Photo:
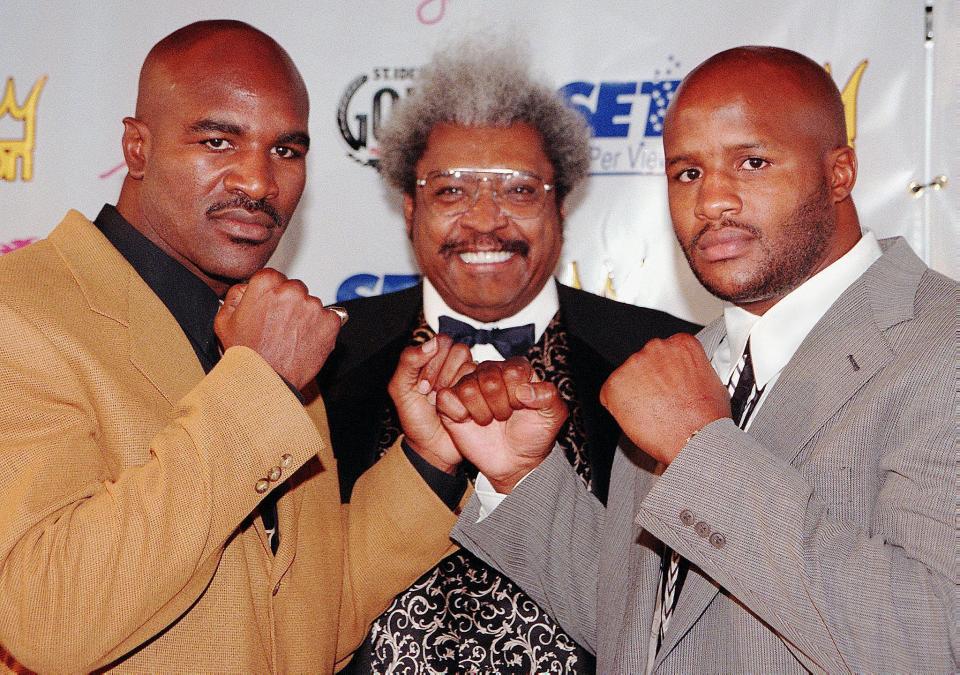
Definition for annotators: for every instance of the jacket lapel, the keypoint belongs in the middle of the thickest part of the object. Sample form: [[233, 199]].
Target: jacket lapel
[[158, 348], [841, 354]]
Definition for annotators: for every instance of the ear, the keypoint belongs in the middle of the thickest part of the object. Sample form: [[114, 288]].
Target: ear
[[136, 146], [842, 163], [408, 213]]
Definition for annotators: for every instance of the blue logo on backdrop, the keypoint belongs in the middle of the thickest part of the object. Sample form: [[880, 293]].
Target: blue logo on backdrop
[[365, 285], [623, 116]]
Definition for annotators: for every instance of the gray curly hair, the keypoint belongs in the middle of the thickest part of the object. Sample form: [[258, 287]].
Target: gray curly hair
[[470, 84]]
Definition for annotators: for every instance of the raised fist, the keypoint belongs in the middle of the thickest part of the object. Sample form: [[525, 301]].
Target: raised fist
[[502, 419], [277, 318]]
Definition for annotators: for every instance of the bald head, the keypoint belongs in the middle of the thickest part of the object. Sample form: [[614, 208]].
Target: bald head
[[218, 48], [759, 173], [216, 154], [782, 79]]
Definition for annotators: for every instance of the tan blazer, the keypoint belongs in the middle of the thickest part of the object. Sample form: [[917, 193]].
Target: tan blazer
[[127, 484]]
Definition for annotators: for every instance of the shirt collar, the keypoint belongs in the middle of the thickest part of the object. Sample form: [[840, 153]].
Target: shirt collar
[[540, 311], [192, 303], [775, 336]]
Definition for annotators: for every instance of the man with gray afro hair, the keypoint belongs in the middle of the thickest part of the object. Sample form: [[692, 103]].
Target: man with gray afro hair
[[470, 85], [484, 157]]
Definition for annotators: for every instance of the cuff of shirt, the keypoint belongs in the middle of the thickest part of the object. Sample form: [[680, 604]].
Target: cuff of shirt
[[449, 488], [488, 496]]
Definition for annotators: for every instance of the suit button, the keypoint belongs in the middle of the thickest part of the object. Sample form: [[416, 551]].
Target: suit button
[[262, 486], [276, 589], [274, 474], [286, 461], [702, 529], [686, 517], [718, 540]]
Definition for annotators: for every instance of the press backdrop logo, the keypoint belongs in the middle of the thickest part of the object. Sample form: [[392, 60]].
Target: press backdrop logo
[[13, 149], [849, 94], [626, 118], [365, 106]]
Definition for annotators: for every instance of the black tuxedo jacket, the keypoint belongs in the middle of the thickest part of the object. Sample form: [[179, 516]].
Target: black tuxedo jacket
[[602, 333]]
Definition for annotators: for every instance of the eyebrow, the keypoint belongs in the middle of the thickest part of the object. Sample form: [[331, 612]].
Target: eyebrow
[[677, 159], [218, 126], [289, 138], [295, 138]]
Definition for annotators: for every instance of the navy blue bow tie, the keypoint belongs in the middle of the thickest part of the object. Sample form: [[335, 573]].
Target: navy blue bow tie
[[509, 342]]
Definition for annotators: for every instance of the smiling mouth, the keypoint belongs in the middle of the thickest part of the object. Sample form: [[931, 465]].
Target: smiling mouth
[[485, 257]]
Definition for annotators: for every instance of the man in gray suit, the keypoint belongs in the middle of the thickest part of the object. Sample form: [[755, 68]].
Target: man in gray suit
[[785, 498]]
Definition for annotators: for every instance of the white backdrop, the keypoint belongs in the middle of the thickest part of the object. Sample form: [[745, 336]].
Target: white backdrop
[[617, 61]]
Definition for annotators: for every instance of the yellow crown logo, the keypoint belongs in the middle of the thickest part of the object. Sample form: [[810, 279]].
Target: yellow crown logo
[[19, 148], [849, 97]]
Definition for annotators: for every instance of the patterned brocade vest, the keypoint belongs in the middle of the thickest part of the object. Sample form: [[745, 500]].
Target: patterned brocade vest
[[463, 616]]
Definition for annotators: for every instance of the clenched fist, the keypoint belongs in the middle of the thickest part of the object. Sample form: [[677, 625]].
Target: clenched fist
[[663, 394], [502, 419], [277, 318]]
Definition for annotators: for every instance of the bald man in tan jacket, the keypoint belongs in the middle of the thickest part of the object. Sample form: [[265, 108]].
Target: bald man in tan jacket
[[169, 499]]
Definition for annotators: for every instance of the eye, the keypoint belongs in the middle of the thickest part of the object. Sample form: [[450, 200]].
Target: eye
[[754, 163], [286, 152], [216, 143], [688, 175]]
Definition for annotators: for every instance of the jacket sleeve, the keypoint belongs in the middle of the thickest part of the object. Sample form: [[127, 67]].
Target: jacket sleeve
[[546, 537], [85, 542], [854, 566], [396, 528]]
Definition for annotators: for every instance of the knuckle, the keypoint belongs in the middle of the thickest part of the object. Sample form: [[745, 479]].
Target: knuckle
[[489, 385]]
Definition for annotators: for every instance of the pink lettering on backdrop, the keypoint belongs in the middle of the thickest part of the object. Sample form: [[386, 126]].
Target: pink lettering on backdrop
[[110, 172], [435, 15], [15, 244]]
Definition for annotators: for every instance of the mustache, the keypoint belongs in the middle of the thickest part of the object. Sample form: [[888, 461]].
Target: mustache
[[249, 205], [727, 222], [458, 246]]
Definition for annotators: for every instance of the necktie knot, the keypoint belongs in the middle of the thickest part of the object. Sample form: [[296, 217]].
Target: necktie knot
[[514, 341]]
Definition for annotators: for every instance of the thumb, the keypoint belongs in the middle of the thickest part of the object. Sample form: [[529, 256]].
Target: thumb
[[230, 302], [544, 398], [234, 296], [412, 360]]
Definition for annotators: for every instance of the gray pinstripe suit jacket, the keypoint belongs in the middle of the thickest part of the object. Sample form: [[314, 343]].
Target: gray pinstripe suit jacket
[[836, 513]]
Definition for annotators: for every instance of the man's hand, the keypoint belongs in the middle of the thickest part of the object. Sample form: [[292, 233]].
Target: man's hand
[[501, 420], [422, 371], [665, 393], [277, 318]]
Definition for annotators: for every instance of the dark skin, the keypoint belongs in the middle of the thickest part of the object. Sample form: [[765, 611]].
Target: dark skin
[[754, 143], [486, 291], [758, 169], [216, 159]]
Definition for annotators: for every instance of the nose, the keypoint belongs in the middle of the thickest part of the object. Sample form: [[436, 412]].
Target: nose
[[484, 215], [253, 175], [717, 197]]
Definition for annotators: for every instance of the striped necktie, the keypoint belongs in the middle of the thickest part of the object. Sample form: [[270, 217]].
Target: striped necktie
[[744, 396]]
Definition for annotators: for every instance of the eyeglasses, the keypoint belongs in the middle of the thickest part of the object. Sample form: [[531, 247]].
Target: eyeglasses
[[455, 191]]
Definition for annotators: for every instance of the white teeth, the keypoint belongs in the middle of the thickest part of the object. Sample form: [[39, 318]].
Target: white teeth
[[480, 257]]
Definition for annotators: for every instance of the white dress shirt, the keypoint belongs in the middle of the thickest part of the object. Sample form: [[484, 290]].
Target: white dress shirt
[[776, 335], [539, 312]]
